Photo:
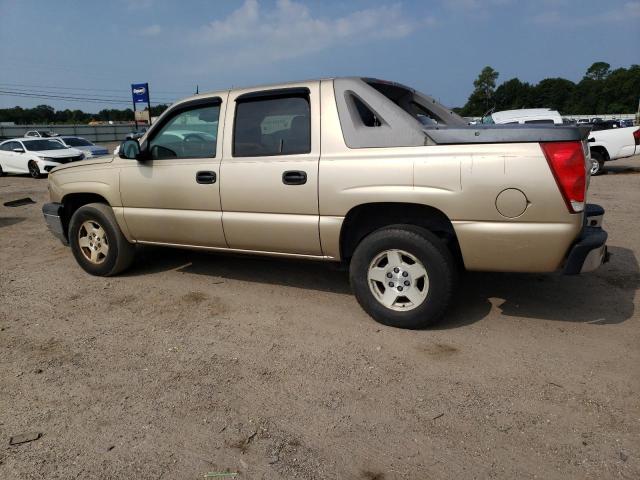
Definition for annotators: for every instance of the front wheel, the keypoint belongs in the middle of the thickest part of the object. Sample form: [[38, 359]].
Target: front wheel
[[597, 164], [403, 276], [34, 170], [96, 241]]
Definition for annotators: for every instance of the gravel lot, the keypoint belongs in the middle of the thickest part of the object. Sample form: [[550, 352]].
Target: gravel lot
[[193, 363]]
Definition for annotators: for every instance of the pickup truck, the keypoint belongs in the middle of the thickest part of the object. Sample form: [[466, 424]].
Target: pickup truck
[[612, 144], [361, 171]]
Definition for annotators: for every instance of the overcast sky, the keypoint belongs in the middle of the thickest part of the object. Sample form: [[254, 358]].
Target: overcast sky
[[98, 48]]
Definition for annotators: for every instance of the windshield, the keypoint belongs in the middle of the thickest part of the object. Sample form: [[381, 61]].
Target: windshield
[[40, 145], [77, 142]]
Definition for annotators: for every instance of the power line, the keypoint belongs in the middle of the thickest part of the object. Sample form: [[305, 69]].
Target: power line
[[64, 94], [10, 93], [156, 92]]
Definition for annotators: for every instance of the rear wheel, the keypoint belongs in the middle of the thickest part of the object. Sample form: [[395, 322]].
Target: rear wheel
[[34, 170], [97, 242], [1, 171], [403, 276], [597, 164]]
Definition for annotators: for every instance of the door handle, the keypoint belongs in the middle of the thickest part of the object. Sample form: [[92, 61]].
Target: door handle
[[206, 177], [294, 177]]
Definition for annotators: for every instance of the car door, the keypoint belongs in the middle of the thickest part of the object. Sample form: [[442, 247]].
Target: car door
[[173, 197], [5, 156], [12, 161], [269, 172]]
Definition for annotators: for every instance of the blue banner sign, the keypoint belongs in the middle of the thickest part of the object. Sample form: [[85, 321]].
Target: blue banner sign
[[140, 92]]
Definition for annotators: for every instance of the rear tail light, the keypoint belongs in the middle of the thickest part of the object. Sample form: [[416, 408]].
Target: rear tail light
[[636, 136], [566, 160]]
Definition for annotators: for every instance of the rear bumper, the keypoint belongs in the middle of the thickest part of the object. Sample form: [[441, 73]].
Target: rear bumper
[[590, 249], [53, 217]]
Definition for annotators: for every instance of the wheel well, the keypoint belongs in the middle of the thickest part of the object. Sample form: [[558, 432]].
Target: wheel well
[[364, 219], [74, 201], [602, 151]]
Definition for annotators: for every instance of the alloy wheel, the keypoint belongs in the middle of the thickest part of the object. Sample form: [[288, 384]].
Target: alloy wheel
[[398, 280], [93, 242]]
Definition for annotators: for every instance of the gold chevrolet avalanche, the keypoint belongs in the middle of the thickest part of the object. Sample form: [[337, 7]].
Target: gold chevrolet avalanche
[[356, 170]]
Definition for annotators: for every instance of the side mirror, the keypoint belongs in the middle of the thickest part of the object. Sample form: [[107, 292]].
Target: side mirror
[[18, 150], [129, 149]]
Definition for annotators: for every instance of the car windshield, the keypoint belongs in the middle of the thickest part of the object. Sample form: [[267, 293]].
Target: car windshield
[[77, 142], [40, 145]]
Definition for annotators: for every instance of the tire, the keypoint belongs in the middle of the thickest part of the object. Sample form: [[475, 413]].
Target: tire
[[597, 164], [428, 294], [34, 170], [94, 227], [1, 171]]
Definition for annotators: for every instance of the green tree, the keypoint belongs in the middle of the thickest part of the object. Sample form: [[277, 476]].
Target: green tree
[[481, 99], [513, 94], [554, 93], [598, 71], [600, 91]]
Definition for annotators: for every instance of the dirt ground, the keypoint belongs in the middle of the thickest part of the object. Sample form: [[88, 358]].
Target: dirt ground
[[192, 363]]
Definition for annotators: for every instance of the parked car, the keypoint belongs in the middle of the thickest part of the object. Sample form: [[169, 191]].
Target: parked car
[[85, 146], [136, 133], [626, 123], [612, 144], [40, 134], [37, 156], [366, 183], [605, 125]]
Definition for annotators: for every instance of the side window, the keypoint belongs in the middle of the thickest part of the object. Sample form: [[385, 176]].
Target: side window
[[6, 147], [272, 126], [191, 133], [366, 115]]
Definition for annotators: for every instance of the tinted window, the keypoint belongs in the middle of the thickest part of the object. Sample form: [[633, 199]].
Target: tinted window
[[6, 146], [77, 142], [189, 134], [539, 122], [40, 145], [272, 126]]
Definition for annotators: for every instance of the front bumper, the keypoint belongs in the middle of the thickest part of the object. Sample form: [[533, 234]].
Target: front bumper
[[53, 217], [590, 249]]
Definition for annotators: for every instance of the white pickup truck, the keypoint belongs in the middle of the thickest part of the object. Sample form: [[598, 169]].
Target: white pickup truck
[[612, 144], [605, 145]]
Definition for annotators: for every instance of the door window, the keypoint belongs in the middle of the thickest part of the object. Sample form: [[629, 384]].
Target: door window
[[191, 133], [272, 126]]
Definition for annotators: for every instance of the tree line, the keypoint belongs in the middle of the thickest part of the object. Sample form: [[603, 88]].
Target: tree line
[[600, 91], [46, 114]]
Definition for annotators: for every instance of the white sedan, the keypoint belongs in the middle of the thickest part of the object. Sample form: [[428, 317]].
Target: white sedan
[[37, 156]]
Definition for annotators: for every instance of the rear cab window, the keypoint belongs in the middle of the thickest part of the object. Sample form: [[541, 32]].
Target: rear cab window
[[272, 123]]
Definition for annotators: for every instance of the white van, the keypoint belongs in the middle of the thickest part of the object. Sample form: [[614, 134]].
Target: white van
[[528, 115]]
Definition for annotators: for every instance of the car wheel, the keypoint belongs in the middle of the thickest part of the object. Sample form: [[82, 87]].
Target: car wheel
[[1, 171], [34, 170], [597, 164], [403, 276], [97, 242]]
